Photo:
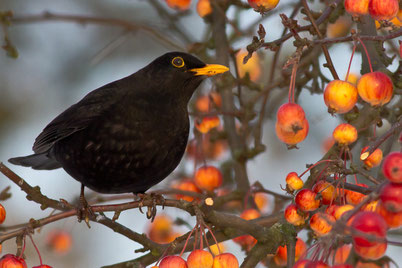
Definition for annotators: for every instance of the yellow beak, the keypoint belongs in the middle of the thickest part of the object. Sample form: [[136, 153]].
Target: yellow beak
[[210, 70]]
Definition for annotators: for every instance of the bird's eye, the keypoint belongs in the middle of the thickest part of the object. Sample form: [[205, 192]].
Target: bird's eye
[[178, 62]]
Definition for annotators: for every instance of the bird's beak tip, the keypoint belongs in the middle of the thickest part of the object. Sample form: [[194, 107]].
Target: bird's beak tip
[[210, 70]]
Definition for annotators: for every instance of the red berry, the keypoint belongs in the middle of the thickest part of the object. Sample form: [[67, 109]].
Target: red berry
[[370, 223], [12, 261], [392, 167]]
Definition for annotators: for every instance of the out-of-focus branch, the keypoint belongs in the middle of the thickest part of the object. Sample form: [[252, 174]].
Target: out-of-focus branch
[[329, 63], [237, 145], [171, 20], [127, 25]]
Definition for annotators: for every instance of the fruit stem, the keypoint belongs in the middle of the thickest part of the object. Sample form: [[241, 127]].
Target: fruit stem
[[213, 236], [291, 96], [201, 237], [36, 248], [350, 62], [188, 237], [365, 50], [23, 247], [319, 162], [204, 236]]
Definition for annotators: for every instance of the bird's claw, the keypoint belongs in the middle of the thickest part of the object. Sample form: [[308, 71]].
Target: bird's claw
[[84, 211], [151, 209]]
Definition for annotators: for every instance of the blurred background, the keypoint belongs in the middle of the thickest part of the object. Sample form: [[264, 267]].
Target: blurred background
[[62, 60]]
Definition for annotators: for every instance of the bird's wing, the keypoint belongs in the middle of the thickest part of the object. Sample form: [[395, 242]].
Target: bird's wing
[[77, 117]]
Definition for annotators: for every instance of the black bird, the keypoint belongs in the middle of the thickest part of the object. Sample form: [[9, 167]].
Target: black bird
[[128, 135]]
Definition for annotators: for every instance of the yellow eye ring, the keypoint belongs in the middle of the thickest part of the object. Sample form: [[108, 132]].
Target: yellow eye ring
[[178, 62]]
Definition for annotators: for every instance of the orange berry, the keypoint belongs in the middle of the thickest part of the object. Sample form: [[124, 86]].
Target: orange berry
[[375, 88], [371, 206], [321, 223], [345, 134], [340, 96], [247, 241], [186, 185], [172, 262], [372, 252], [208, 178], [383, 9], [342, 254], [293, 182], [393, 219], [207, 123], [293, 137], [357, 7], [42, 266], [250, 214], [200, 259], [293, 216], [160, 230], [340, 210], [225, 260], [353, 197], [59, 241], [204, 104], [204, 8], [372, 160], [252, 67], [281, 255], [212, 149], [179, 4], [392, 167], [341, 27], [307, 200], [216, 249], [264, 5], [331, 209], [290, 117], [261, 201], [2, 214], [291, 125], [352, 78], [234, 205], [326, 190], [12, 261]]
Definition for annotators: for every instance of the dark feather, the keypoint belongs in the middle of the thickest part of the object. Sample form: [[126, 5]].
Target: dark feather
[[36, 161]]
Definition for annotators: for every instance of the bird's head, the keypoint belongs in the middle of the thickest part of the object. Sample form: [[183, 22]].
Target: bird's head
[[180, 73]]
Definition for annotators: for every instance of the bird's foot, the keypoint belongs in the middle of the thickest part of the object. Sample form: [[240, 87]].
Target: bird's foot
[[154, 199], [84, 211]]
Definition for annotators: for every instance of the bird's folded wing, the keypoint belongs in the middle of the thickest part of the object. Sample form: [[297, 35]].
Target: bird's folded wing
[[77, 117]]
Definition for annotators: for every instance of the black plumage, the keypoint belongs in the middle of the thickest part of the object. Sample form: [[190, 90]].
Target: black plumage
[[128, 135]]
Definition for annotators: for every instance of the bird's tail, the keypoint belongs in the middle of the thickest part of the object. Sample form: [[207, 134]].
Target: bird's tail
[[36, 161]]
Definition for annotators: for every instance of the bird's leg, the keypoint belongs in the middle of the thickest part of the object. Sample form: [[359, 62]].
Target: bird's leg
[[84, 211], [154, 198]]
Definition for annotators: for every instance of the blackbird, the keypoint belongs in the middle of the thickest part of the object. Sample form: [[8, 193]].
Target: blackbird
[[128, 135]]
